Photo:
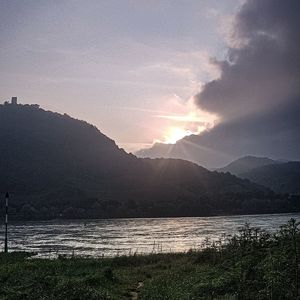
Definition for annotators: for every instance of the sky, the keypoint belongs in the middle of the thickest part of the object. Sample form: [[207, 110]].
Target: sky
[[132, 68], [256, 95]]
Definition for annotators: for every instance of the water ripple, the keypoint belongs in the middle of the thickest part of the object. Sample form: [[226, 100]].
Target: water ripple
[[111, 237]]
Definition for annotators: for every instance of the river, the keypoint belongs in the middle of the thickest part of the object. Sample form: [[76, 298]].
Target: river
[[111, 237]]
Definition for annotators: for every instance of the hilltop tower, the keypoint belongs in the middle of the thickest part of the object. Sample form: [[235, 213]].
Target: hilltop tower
[[14, 100]]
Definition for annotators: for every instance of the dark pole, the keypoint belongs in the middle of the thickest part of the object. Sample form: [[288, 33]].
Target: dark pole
[[6, 222]]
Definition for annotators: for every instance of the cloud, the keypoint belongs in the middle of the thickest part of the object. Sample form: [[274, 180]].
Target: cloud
[[274, 133], [258, 92], [266, 69], [257, 95]]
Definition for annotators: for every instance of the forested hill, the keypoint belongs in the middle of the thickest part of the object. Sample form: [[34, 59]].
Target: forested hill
[[282, 178], [56, 166]]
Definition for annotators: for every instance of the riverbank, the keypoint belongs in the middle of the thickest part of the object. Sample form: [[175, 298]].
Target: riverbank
[[251, 265]]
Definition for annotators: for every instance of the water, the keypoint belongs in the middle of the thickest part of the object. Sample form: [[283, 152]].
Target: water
[[113, 237]]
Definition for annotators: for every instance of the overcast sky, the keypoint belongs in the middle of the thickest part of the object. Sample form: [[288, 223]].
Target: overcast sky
[[129, 67]]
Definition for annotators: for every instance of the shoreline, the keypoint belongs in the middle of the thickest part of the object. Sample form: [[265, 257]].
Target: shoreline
[[13, 221]]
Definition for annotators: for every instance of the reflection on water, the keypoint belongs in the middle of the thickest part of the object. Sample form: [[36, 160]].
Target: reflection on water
[[126, 236]]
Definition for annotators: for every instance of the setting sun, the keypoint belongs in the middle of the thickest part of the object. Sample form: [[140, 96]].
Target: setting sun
[[174, 134]]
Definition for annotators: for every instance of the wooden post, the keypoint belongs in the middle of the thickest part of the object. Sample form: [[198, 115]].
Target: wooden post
[[6, 222]]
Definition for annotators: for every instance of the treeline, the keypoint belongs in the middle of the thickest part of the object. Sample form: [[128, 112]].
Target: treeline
[[22, 208]]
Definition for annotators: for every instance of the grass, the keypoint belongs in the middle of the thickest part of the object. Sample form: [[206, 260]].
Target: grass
[[251, 265]]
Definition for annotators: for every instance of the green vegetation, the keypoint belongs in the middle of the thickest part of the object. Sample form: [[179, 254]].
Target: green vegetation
[[253, 264]]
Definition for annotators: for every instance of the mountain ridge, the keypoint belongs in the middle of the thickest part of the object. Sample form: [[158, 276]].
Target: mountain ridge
[[246, 164], [59, 167]]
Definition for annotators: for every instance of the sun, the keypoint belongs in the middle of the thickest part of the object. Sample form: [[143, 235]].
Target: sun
[[174, 134]]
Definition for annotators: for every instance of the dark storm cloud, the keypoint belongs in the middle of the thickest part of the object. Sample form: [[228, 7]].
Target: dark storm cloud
[[273, 133], [266, 70], [258, 93]]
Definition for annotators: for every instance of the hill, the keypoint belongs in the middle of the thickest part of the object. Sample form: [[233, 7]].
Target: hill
[[246, 164], [282, 178], [189, 148], [55, 166]]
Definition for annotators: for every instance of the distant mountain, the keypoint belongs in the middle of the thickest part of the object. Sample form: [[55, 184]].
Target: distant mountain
[[230, 139], [278, 175], [55, 166], [189, 148], [282, 178], [246, 164]]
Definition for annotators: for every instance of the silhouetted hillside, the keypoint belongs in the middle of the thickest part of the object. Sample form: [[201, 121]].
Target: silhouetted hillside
[[56, 166], [187, 148], [246, 164], [282, 178]]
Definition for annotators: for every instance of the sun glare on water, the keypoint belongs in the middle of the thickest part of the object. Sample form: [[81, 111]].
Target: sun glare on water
[[174, 134]]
